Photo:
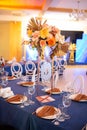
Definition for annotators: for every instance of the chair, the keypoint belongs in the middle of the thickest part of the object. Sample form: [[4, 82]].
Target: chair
[[30, 69], [62, 64], [16, 69], [77, 85]]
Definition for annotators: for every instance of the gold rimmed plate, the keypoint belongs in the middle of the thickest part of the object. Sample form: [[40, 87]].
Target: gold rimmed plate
[[73, 97], [47, 112], [17, 99], [53, 91]]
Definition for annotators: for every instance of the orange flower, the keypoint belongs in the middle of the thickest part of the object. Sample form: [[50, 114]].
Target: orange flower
[[51, 42], [42, 43]]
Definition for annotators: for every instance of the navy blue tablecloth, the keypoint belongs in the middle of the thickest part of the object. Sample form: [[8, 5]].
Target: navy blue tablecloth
[[23, 119]]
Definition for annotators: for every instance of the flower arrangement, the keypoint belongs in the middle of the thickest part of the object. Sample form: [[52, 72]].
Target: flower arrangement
[[42, 35]]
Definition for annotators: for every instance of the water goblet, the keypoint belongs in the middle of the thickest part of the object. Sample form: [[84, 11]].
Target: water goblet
[[56, 120], [31, 91], [66, 102], [27, 102], [4, 81], [59, 115]]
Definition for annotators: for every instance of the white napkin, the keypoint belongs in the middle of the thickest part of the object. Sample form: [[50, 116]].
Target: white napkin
[[11, 61], [6, 92]]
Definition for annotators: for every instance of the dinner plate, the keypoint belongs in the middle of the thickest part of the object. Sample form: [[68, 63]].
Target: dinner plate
[[72, 97], [53, 92], [16, 102], [26, 84], [48, 117]]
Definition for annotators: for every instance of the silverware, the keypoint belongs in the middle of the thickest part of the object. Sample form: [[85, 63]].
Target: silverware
[[33, 112]]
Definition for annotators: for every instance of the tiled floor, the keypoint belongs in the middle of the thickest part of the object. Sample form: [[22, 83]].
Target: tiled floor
[[70, 73]]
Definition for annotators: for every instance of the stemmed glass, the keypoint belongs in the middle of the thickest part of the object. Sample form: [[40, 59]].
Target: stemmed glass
[[5, 79], [31, 91], [66, 102], [59, 115], [70, 89]]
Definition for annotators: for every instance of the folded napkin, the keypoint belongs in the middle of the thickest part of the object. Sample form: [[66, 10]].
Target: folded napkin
[[46, 111], [53, 90], [28, 83], [80, 97], [2, 90], [11, 61], [15, 98], [6, 92], [45, 98], [11, 77]]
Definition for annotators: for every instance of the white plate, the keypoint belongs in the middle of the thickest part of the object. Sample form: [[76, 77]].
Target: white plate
[[72, 97], [18, 102], [48, 117], [53, 92]]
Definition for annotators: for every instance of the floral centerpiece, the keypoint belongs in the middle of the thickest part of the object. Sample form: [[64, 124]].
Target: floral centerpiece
[[42, 35]]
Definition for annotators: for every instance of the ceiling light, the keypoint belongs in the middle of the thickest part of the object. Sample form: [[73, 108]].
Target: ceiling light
[[78, 14]]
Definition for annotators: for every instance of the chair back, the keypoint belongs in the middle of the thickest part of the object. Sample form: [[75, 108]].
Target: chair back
[[77, 85], [30, 69], [16, 69]]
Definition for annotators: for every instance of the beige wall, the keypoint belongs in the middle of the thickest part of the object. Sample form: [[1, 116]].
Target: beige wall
[[10, 40]]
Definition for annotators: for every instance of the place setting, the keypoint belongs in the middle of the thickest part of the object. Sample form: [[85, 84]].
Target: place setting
[[55, 114], [11, 78], [79, 97], [53, 90], [16, 99], [47, 112]]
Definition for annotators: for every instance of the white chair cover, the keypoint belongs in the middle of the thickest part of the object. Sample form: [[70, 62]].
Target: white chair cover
[[16, 69], [77, 85], [62, 65], [30, 69]]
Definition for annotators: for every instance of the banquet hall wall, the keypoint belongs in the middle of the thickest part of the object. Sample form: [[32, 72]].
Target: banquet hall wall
[[10, 40]]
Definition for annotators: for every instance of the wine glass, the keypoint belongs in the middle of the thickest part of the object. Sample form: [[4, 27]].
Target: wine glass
[[31, 91], [26, 103], [66, 102], [70, 89], [59, 115], [56, 121], [5, 79]]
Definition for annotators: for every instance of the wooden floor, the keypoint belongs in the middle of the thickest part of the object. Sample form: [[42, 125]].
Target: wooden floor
[[70, 74]]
